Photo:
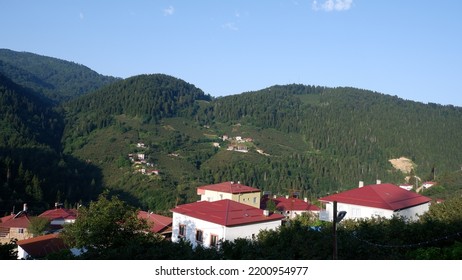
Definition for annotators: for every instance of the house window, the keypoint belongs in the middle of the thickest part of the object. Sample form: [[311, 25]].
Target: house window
[[213, 240], [182, 230], [254, 200], [20, 230], [199, 235]]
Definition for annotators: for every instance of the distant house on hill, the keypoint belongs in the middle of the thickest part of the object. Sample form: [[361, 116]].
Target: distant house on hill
[[207, 223], [428, 184], [385, 200], [290, 206], [230, 190], [157, 223]]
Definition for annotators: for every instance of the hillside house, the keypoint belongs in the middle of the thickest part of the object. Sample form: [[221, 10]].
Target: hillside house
[[15, 226], [207, 223], [385, 200], [157, 223], [406, 187], [231, 190], [59, 217], [291, 207], [427, 185]]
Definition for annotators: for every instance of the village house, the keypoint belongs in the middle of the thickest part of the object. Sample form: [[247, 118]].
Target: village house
[[290, 207], [15, 226], [427, 185], [58, 217], [384, 200], [406, 187], [231, 190], [40, 246], [158, 224], [207, 223]]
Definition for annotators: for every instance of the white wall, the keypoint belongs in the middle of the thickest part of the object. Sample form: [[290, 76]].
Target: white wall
[[208, 228], [356, 212]]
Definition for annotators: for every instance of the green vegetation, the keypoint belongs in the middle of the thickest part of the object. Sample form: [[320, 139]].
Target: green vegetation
[[53, 78], [310, 139]]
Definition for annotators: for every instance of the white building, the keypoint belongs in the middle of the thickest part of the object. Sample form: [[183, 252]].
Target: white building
[[208, 223], [231, 190], [385, 200]]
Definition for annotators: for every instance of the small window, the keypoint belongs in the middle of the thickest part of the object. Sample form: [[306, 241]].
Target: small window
[[199, 235], [21, 230], [213, 240], [254, 200], [182, 230]]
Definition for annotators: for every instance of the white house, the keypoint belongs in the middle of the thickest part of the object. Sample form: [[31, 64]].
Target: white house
[[290, 207], [385, 200], [427, 185], [208, 223]]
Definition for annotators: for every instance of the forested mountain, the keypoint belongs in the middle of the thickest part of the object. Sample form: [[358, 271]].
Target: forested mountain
[[54, 78], [154, 138], [32, 168]]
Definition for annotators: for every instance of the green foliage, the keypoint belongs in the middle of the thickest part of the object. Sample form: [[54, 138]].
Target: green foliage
[[38, 226], [8, 251], [106, 224]]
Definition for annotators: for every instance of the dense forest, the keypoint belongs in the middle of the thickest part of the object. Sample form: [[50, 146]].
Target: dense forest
[[67, 133], [54, 78]]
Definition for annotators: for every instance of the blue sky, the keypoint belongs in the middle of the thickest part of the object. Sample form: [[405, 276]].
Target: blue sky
[[408, 48]]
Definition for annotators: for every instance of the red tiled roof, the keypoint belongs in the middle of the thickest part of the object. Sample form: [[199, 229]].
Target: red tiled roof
[[229, 187], [294, 204], [41, 246], [225, 212], [21, 221], [59, 213], [384, 196], [158, 222], [6, 218]]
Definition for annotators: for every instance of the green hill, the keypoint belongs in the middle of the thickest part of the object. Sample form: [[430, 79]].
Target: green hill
[[54, 78]]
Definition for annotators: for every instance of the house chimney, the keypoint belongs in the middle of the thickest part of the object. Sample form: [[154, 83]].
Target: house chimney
[[56, 205], [266, 213], [24, 207], [361, 184], [238, 182], [287, 197], [378, 182], [232, 182], [274, 196], [305, 199]]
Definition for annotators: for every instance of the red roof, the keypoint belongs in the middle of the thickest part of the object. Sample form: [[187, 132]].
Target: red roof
[[383, 196], [294, 204], [41, 246], [158, 222], [21, 220], [6, 218], [228, 187], [59, 213], [225, 212]]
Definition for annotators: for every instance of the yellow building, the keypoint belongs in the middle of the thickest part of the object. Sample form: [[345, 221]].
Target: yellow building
[[230, 190]]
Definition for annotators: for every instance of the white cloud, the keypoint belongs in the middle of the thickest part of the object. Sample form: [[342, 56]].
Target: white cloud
[[332, 5], [231, 26], [169, 11]]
